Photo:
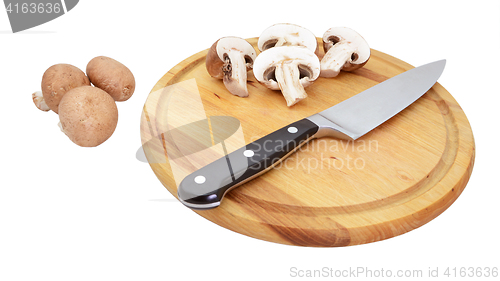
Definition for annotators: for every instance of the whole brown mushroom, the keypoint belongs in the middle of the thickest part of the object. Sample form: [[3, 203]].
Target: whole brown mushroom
[[88, 116], [58, 80], [111, 76]]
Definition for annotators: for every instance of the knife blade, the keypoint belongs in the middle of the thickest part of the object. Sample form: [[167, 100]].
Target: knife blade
[[350, 119]]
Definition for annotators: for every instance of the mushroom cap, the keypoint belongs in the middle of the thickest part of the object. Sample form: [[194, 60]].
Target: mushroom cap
[[58, 80], [218, 51], [287, 34], [88, 115], [346, 35], [307, 62], [111, 76]]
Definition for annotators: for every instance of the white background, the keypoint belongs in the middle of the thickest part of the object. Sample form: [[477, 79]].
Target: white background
[[72, 213]]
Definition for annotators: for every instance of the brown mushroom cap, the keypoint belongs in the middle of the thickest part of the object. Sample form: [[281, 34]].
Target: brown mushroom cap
[[111, 76], [88, 115], [58, 80], [213, 63]]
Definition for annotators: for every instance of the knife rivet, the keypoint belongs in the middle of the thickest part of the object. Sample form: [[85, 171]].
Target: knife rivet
[[292, 130], [200, 179], [248, 153]]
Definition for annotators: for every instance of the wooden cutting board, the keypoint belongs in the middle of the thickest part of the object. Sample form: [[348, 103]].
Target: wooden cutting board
[[394, 179]]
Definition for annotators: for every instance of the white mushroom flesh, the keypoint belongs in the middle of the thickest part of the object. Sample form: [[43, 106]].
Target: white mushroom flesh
[[346, 50], [335, 59], [289, 69], [235, 73], [238, 55], [39, 101], [285, 34], [288, 77], [60, 127]]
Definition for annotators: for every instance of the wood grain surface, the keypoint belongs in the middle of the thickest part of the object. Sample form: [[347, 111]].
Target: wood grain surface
[[331, 193]]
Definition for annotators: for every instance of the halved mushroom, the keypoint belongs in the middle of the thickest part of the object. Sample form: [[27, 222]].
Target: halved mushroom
[[229, 59], [345, 50], [289, 69], [287, 34]]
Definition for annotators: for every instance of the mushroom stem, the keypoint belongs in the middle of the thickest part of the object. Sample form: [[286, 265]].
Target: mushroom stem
[[235, 74], [40, 101], [288, 78], [281, 42], [60, 127], [333, 61]]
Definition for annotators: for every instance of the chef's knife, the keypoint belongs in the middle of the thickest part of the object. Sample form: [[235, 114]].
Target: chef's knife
[[350, 119]]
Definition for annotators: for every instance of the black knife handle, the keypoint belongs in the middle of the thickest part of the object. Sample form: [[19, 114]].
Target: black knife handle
[[205, 188]]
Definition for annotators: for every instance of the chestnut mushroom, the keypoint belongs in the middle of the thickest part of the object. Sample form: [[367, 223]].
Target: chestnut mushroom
[[229, 59], [111, 76], [287, 34], [289, 69], [344, 49], [59, 79], [88, 116]]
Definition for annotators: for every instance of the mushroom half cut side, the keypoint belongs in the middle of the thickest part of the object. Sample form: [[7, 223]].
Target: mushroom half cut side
[[344, 49], [287, 34], [229, 59], [289, 69]]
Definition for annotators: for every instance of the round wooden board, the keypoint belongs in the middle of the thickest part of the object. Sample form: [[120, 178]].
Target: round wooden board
[[394, 179]]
